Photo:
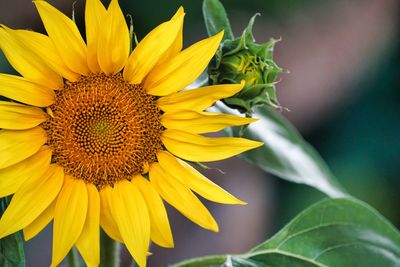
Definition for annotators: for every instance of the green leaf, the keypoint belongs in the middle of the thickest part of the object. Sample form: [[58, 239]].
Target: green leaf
[[11, 247], [333, 232], [285, 153], [216, 19]]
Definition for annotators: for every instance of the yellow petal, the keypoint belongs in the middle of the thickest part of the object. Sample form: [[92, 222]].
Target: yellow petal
[[26, 62], [69, 217], [107, 221], [201, 122], [42, 46], [183, 69], [177, 45], [88, 242], [160, 228], [31, 200], [16, 146], [195, 180], [113, 41], [131, 215], [198, 99], [194, 147], [40, 222], [65, 36], [15, 116], [152, 49], [95, 14], [25, 91], [11, 178], [180, 197]]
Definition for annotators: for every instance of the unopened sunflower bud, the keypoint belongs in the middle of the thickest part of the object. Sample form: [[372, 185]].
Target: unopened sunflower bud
[[243, 59]]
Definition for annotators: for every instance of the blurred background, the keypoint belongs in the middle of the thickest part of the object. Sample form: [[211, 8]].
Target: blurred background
[[343, 93]]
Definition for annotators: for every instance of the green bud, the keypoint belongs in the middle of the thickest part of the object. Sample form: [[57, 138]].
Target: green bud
[[243, 59]]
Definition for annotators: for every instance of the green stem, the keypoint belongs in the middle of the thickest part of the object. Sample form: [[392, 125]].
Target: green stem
[[73, 260], [109, 251], [202, 261]]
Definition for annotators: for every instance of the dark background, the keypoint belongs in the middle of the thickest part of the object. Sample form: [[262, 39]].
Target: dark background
[[342, 91]]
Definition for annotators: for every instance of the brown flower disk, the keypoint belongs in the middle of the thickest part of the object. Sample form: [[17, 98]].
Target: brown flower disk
[[103, 129]]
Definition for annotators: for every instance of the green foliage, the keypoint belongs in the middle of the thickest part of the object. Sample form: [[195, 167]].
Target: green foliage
[[216, 19], [11, 247], [285, 153], [341, 232], [333, 232]]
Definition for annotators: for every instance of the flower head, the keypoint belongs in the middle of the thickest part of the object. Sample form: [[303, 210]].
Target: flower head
[[243, 59], [98, 136]]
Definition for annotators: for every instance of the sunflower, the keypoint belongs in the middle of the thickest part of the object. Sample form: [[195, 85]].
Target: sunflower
[[98, 136]]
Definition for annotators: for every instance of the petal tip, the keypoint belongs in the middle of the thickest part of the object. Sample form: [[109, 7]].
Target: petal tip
[[240, 202], [215, 227], [257, 144], [169, 244], [220, 35]]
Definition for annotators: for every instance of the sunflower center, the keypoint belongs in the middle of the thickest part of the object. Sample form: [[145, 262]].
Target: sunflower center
[[103, 129]]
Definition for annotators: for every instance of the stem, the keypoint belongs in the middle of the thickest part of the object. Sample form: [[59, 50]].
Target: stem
[[202, 261], [73, 260], [109, 251]]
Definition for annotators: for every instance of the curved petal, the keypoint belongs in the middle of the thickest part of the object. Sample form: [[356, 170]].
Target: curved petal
[[152, 49], [113, 41], [198, 99], [16, 146], [107, 221], [31, 200], [95, 14], [201, 122], [65, 36], [69, 217], [15, 116], [40, 222], [177, 45], [42, 46], [27, 63], [88, 242], [160, 228], [131, 215], [195, 147], [195, 180], [183, 69], [25, 91], [11, 178], [180, 197]]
